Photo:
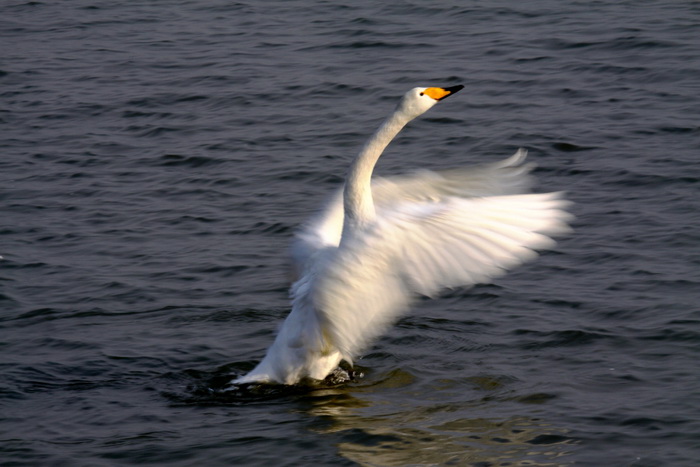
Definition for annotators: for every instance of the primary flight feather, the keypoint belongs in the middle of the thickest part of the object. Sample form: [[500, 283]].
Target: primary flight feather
[[380, 242]]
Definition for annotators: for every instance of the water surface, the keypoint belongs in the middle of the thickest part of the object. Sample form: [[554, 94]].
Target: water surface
[[157, 157]]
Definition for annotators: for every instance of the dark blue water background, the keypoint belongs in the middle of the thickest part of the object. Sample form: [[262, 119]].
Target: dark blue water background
[[156, 157]]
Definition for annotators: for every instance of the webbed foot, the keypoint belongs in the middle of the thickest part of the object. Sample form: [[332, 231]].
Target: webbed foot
[[342, 375]]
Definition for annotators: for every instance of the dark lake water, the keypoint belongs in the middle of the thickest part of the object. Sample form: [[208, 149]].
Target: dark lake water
[[156, 158]]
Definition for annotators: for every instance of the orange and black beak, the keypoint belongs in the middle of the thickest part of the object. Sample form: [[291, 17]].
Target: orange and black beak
[[440, 93]]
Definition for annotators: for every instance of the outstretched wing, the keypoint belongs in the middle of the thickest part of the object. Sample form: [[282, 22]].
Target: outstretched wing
[[506, 177], [422, 248]]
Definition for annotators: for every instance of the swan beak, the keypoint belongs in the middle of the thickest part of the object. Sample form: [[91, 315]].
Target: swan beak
[[440, 93]]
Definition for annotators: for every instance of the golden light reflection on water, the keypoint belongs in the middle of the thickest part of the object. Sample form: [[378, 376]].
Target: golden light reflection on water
[[378, 430]]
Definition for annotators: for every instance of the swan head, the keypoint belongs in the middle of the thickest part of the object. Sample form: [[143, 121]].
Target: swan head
[[419, 100]]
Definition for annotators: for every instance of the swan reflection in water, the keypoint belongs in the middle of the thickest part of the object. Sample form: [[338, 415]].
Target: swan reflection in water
[[379, 423]]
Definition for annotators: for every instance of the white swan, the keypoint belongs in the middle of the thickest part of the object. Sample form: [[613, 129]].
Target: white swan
[[361, 262]]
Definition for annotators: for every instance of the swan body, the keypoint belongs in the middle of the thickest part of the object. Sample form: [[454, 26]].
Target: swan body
[[380, 242]]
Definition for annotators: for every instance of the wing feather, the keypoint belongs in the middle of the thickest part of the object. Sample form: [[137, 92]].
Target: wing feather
[[506, 177], [423, 248]]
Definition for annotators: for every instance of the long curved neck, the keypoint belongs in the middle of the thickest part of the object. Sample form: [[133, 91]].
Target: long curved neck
[[357, 196]]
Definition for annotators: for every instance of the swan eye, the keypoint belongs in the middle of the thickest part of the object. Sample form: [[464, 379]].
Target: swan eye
[[421, 94]]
